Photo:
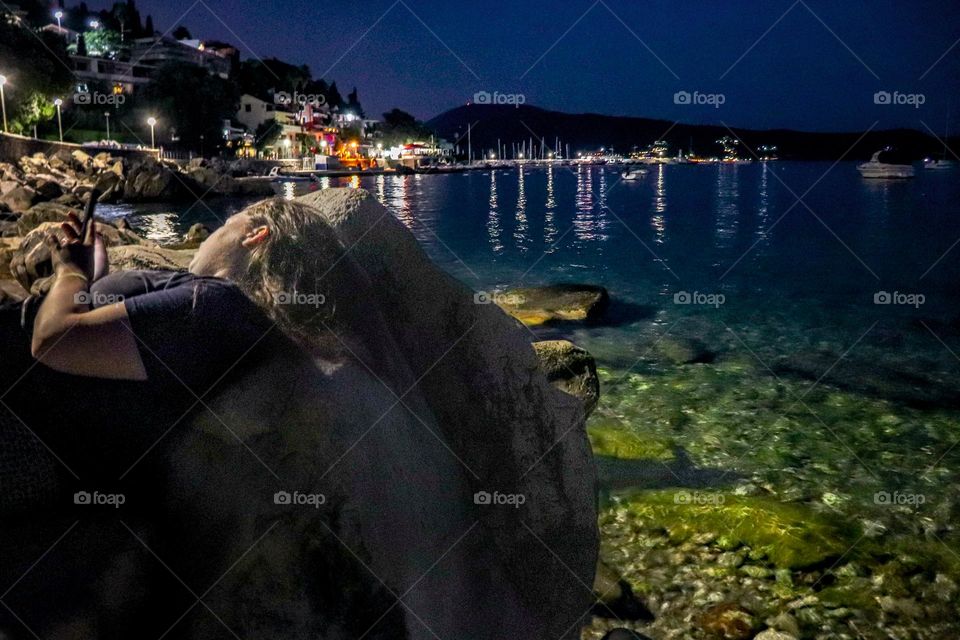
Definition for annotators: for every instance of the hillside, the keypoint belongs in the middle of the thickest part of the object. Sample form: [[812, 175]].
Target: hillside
[[589, 131]]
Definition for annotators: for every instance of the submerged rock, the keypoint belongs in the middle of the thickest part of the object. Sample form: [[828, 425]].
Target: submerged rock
[[560, 302], [570, 369], [728, 621]]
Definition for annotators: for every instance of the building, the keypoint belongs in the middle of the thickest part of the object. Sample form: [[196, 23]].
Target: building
[[159, 50], [253, 111], [103, 71]]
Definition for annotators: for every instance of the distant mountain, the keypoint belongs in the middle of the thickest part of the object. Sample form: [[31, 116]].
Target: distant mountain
[[590, 131]]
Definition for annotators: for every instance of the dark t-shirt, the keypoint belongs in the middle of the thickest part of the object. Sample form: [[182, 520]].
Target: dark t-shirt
[[191, 330]]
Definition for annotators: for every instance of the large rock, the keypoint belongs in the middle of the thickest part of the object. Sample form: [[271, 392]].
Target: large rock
[[560, 302], [509, 431], [20, 198], [43, 212], [150, 258], [570, 369], [11, 292]]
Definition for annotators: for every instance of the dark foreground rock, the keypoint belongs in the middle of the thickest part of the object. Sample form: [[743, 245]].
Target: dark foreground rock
[[570, 369], [452, 472], [555, 303]]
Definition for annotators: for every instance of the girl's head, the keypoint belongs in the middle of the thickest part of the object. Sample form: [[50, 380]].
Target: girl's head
[[282, 254]]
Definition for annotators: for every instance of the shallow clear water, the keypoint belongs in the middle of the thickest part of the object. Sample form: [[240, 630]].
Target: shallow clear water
[[812, 394]]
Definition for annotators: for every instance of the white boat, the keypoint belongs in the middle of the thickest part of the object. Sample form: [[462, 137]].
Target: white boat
[[877, 169], [939, 165], [633, 174]]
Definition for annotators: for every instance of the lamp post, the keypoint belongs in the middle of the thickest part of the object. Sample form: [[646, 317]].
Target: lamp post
[[106, 114], [94, 24], [152, 122], [3, 102], [58, 15], [286, 143], [58, 102]]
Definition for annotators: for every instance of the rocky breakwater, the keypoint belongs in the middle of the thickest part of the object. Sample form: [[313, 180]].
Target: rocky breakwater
[[65, 177], [459, 484]]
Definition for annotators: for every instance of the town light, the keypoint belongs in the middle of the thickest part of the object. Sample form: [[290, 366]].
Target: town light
[[3, 102], [58, 102], [58, 15], [106, 114], [94, 24], [152, 122]]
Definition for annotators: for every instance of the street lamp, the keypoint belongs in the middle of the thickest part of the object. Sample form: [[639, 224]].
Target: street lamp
[[94, 24], [286, 143], [58, 102], [58, 15], [3, 102], [106, 114], [152, 122]]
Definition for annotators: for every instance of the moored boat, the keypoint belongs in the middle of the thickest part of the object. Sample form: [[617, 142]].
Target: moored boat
[[877, 168]]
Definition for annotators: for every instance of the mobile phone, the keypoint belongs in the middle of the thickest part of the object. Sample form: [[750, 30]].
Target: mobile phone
[[88, 213]]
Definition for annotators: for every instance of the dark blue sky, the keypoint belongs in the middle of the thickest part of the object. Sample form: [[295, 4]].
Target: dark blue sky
[[817, 67]]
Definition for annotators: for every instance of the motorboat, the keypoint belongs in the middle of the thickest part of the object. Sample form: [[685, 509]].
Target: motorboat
[[877, 168], [290, 187], [939, 165], [633, 174]]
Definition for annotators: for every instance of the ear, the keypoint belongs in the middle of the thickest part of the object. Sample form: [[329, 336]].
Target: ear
[[256, 237]]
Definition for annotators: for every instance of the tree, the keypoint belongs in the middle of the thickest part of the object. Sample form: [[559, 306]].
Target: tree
[[353, 104], [181, 33], [191, 100], [334, 99], [148, 29], [399, 127], [37, 71], [103, 43], [262, 78]]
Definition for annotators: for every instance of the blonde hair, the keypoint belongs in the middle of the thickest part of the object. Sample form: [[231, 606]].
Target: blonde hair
[[289, 275]]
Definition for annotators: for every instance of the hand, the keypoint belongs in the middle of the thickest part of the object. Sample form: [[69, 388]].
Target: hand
[[76, 253]]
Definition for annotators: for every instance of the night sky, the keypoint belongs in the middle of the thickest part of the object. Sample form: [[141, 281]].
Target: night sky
[[804, 64]]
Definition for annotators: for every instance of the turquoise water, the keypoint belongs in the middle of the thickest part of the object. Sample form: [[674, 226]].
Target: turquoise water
[[803, 403]]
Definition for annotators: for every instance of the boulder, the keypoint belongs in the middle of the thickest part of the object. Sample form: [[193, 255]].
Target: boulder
[[146, 257], [20, 198], [570, 369], [47, 187], [679, 350], [560, 302], [509, 430], [43, 212], [197, 233]]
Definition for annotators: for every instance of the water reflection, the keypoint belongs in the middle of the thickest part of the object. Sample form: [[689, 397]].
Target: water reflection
[[396, 199], [160, 227], [494, 226], [584, 224], [550, 211], [762, 233], [521, 233], [728, 194], [658, 221]]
